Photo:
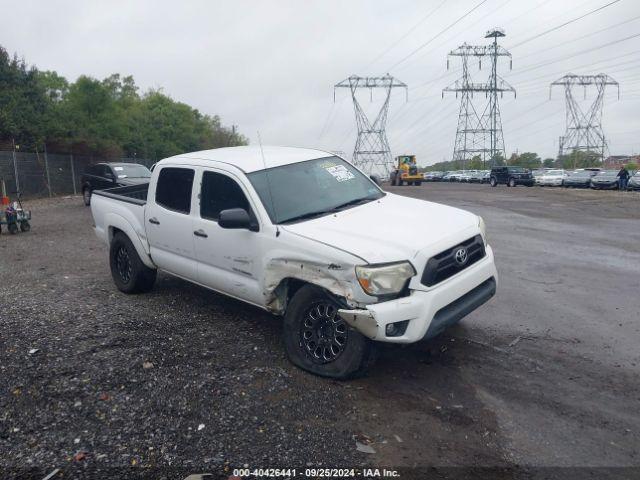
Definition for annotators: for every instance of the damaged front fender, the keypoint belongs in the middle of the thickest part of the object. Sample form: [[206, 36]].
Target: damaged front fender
[[335, 278]]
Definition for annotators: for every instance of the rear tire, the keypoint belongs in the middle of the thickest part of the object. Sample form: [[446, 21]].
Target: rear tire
[[418, 183], [25, 226], [13, 228], [317, 340], [129, 273]]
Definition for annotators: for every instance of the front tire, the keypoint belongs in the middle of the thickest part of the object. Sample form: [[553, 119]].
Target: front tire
[[25, 226], [129, 273], [317, 340], [512, 182], [493, 182], [86, 196]]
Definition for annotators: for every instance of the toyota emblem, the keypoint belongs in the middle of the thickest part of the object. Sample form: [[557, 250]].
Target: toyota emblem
[[461, 256]]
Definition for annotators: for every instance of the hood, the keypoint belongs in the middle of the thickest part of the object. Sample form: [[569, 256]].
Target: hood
[[132, 181], [390, 229]]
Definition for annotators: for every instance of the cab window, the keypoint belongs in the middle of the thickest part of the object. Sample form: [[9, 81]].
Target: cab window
[[220, 192], [173, 190]]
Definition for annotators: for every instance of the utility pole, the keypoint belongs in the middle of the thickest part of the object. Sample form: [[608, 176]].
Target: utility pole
[[371, 153], [15, 164], [584, 129], [474, 127]]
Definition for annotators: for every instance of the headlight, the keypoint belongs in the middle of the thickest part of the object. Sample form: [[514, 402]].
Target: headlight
[[483, 229], [384, 279]]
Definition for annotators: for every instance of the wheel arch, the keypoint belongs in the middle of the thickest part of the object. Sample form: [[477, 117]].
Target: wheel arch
[[280, 296], [120, 224]]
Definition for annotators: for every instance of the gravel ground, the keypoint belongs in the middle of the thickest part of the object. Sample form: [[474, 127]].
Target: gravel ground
[[182, 380]]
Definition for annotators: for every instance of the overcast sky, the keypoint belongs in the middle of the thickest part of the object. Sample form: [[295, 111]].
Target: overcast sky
[[271, 65]]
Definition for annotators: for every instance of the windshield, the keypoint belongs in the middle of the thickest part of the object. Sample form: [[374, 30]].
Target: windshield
[[312, 188], [555, 172], [132, 171], [580, 174], [516, 169], [608, 173]]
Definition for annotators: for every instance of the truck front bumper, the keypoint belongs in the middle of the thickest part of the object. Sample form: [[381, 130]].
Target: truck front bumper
[[428, 312]]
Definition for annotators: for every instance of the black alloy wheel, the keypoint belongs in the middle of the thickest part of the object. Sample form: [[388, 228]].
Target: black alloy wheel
[[123, 264], [323, 333]]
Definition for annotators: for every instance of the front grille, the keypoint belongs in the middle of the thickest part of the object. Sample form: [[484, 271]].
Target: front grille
[[444, 264]]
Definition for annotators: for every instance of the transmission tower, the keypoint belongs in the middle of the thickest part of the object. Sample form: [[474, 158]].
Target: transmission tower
[[475, 129], [584, 130], [371, 153]]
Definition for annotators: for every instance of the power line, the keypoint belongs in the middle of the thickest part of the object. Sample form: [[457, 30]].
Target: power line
[[536, 80], [450, 39], [558, 27], [544, 64], [478, 5], [393, 45], [546, 50]]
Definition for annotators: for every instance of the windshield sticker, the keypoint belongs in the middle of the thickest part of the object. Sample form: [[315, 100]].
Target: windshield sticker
[[118, 169], [340, 173], [328, 164]]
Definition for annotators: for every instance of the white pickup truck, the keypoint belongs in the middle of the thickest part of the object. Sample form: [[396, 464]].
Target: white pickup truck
[[306, 235]]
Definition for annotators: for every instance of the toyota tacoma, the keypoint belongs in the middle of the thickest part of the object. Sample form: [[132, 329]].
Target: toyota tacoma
[[306, 235]]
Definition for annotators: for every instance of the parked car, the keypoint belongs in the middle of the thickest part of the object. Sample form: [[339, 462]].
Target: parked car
[[455, 176], [479, 177], [465, 177], [447, 177], [537, 174], [475, 177], [579, 179], [552, 178], [432, 176], [510, 176], [605, 180], [634, 182], [110, 175], [349, 266]]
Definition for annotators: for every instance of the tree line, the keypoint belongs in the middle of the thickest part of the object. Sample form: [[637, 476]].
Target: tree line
[[531, 160], [108, 117]]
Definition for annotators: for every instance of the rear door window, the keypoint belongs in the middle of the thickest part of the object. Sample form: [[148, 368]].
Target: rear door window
[[173, 190]]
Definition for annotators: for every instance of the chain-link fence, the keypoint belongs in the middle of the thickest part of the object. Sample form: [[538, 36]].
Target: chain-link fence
[[41, 174]]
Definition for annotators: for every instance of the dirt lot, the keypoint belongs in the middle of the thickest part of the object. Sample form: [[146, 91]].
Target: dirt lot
[[183, 380]]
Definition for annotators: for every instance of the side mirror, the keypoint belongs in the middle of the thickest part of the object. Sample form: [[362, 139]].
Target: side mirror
[[376, 179], [236, 219]]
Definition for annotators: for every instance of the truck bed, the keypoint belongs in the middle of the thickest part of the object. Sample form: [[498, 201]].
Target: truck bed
[[136, 194], [122, 208]]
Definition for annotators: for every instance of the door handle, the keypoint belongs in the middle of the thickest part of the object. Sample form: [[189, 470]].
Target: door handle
[[154, 220], [200, 233]]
